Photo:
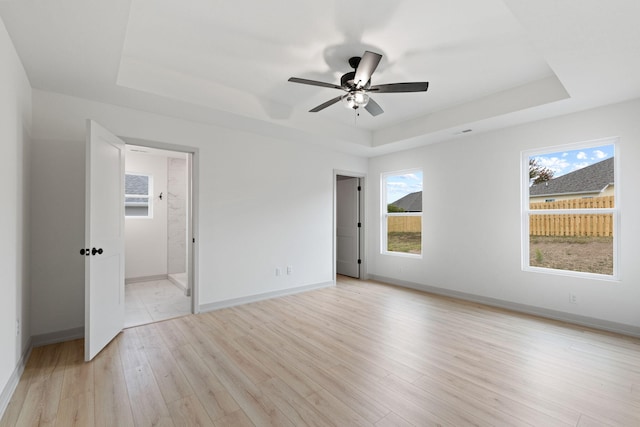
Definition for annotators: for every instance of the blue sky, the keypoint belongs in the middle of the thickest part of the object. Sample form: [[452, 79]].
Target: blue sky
[[400, 185], [563, 162]]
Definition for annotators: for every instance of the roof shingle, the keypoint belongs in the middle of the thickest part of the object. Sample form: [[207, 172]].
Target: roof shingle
[[591, 179], [410, 203]]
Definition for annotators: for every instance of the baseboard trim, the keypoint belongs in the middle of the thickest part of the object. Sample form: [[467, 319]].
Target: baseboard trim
[[575, 319], [260, 297], [146, 278], [56, 337], [179, 285], [12, 384]]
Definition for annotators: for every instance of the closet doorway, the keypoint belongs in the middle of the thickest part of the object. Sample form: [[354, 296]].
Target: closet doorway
[[158, 211]]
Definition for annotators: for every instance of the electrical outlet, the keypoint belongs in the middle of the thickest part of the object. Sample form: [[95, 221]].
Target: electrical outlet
[[289, 269], [278, 271], [573, 298]]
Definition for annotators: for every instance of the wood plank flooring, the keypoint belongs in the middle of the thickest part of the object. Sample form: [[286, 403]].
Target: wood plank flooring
[[361, 353]]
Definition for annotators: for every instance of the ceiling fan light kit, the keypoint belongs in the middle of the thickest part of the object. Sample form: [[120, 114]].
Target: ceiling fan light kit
[[357, 85], [355, 99]]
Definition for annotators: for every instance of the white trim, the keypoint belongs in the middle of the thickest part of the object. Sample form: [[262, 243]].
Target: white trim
[[526, 211], [179, 285], [146, 278], [193, 153], [57, 337], [261, 297], [14, 379], [384, 214], [590, 322]]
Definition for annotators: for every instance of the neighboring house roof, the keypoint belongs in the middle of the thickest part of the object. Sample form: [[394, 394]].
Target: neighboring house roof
[[136, 184], [591, 179], [410, 203]]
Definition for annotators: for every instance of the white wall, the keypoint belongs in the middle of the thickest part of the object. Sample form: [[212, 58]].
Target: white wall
[[472, 222], [263, 203], [146, 238], [57, 234], [15, 128]]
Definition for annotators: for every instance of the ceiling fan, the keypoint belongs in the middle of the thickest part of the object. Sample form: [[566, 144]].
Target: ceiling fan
[[357, 85]]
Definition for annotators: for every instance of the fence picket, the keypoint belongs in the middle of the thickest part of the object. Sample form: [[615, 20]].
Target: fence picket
[[404, 224], [574, 224]]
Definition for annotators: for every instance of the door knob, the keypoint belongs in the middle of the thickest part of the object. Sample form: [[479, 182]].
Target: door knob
[[96, 251], [84, 251]]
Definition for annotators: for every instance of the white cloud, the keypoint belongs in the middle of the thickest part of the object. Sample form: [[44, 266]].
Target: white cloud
[[581, 155], [556, 164], [599, 154]]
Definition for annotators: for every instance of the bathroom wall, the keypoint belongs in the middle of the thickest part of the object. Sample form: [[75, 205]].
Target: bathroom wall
[[146, 238], [177, 187]]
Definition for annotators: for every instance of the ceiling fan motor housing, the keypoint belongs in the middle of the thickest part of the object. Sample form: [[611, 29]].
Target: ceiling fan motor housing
[[346, 81]]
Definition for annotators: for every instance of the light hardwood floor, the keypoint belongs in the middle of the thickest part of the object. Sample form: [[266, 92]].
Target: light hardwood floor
[[360, 353]]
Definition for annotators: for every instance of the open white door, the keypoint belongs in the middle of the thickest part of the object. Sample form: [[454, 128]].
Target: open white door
[[347, 226], [104, 239]]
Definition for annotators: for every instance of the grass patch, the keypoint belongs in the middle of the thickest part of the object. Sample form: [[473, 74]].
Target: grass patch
[[539, 256], [406, 242]]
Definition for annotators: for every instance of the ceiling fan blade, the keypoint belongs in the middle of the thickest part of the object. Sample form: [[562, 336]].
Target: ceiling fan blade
[[400, 87], [367, 66], [314, 83], [373, 108], [327, 104]]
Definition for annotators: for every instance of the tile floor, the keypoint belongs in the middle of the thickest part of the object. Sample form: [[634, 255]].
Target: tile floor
[[148, 302]]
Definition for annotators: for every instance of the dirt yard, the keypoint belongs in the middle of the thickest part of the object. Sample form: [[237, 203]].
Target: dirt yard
[[587, 254], [408, 242]]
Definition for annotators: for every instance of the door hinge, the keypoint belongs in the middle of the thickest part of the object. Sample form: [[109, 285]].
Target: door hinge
[[359, 224], [193, 240], [359, 261], [359, 188]]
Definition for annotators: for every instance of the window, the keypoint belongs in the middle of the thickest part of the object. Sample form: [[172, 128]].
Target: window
[[401, 231], [137, 197], [570, 210]]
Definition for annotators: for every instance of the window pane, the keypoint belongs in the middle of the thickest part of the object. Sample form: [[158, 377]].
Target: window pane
[[404, 234], [572, 242], [404, 192], [137, 199], [403, 223], [572, 179], [136, 184]]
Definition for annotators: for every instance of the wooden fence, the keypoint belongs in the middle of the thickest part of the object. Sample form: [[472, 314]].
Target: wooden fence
[[404, 224], [573, 224]]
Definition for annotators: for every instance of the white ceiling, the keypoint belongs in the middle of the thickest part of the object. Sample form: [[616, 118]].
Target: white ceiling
[[490, 63]]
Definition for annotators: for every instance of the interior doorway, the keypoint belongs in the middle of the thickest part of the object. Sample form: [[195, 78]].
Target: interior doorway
[[158, 222], [348, 220]]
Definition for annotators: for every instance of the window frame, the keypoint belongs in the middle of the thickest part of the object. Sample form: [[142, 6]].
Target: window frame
[[526, 211], [385, 215], [148, 196]]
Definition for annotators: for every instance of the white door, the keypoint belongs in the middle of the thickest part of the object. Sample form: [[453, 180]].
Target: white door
[[104, 239], [347, 221]]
